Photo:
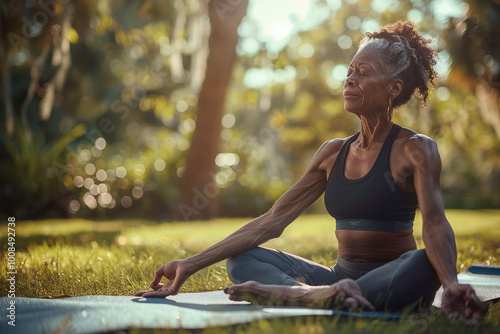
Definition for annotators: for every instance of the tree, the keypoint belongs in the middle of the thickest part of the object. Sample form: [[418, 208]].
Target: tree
[[198, 192], [40, 32], [475, 49]]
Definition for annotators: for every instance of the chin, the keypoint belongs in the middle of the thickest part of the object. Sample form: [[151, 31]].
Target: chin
[[350, 110]]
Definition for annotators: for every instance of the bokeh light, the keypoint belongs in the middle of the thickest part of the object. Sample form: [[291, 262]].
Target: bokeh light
[[78, 181], [100, 143], [74, 206], [121, 172], [137, 192], [126, 201], [101, 175], [228, 121], [90, 169], [159, 165]]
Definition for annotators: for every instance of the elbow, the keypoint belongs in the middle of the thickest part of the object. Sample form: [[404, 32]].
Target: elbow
[[270, 227], [260, 230], [273, 234]]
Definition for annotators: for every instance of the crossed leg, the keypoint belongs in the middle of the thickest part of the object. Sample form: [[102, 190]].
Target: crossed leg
[[345, 294], [408, 280]]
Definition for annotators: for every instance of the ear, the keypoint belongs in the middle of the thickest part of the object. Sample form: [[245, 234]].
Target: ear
[[395, 88]]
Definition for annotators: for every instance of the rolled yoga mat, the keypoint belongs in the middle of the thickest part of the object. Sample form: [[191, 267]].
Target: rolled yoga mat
[[96, 314]]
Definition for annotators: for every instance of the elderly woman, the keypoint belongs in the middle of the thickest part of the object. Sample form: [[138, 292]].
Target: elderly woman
[[373, 182]]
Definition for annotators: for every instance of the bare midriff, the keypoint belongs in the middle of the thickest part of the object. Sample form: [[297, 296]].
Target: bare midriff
[[374, 246]]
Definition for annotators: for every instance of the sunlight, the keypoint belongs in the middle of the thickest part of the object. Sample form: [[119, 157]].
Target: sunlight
[[273, 23]]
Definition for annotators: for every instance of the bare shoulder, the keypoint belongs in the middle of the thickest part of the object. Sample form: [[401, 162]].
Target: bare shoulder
[[417, 147], [332, 146], [327, 154]]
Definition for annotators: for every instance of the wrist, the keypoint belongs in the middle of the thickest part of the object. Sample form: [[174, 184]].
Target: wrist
[[449, 282], [189, 265]]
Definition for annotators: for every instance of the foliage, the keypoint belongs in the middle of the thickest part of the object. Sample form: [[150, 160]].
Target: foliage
[[39, 170], [471, 115], [81, 257], [136, 70]]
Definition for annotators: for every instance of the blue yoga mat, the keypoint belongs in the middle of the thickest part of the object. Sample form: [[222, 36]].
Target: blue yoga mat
[[96, 314]]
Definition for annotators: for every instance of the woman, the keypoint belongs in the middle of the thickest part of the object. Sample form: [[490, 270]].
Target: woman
[[373, 182]]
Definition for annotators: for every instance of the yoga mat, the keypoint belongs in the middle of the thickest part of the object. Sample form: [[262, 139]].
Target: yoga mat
[[484, 279], [95, 314]]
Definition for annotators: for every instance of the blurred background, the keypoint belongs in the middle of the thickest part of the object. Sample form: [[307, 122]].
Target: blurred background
[[117, 109]]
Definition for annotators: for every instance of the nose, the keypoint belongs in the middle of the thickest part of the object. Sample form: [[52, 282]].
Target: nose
[[350, 81]]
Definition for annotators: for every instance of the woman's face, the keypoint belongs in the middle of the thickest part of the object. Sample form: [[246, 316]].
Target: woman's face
[[366, 91]]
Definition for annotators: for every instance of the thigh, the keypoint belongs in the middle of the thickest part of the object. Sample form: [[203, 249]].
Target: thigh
[[410, 279], [298, 268]]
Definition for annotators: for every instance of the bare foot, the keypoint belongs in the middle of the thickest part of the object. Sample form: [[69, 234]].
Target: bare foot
[[344, 294]]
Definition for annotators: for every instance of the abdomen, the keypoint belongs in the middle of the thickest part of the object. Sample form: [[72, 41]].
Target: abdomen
[[374, 246]]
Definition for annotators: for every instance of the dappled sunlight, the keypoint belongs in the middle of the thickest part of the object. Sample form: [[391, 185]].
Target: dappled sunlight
[[119, 134]]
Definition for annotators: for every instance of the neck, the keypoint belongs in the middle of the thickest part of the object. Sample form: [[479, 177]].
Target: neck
[[373, 130]]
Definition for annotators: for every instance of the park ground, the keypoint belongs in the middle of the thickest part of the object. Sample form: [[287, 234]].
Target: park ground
[[75, 257]]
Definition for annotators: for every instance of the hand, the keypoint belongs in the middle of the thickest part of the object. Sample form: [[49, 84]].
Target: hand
[[175, 272], [459, 302], [348, 292]]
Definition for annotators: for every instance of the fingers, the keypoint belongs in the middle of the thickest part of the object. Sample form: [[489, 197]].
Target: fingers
[[140, 293], [472, 300], [353, 300], [157, 294], [352, 296], [155, 285], [174, 285], [351, 304], [364, 303], [462, 304]]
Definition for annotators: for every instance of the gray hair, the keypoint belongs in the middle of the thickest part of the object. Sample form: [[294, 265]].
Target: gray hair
[[395, 56]]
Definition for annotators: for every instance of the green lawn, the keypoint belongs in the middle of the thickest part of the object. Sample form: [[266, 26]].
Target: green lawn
[[80, 257]]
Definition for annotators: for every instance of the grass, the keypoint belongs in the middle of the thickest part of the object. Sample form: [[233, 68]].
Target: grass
[[79, 257]]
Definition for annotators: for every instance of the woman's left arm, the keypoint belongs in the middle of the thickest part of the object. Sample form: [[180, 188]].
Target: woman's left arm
[[458, 300]]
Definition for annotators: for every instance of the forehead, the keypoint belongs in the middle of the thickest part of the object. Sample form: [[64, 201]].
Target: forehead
[[366, 55]]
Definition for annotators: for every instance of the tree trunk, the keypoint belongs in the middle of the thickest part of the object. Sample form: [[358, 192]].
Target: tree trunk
[[176, 63], [488, 104], [61, 59], [36, 67], [6, 89], [198, 191]]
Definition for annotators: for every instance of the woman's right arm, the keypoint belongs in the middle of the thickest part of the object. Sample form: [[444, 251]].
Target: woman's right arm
[[259, 230]]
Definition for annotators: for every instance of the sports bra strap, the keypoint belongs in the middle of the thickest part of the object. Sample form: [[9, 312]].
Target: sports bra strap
[[374, 225]]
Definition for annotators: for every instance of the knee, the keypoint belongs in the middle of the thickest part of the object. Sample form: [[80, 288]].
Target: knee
[[231, 265], [235, 264], [418, 259], [424, 272]]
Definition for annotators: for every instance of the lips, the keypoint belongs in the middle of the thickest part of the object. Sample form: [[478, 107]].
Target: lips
[[350, 95]]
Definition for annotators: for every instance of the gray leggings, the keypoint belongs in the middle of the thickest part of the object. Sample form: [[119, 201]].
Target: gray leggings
[[410, 280]]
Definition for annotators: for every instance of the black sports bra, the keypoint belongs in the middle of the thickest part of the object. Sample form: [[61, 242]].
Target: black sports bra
[[375, 201]]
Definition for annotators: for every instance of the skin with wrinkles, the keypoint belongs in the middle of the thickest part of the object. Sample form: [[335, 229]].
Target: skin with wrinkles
[[344, 294], [415, 165]]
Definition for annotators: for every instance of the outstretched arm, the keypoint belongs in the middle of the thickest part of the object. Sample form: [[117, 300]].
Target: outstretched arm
[[459, 300], [270, 225]]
